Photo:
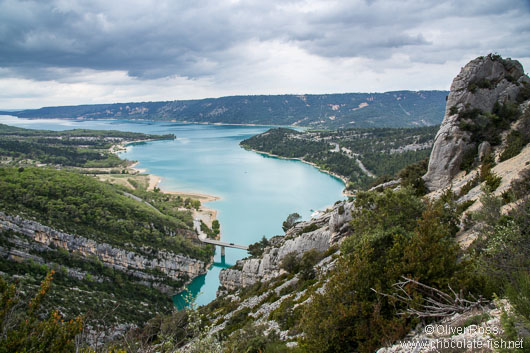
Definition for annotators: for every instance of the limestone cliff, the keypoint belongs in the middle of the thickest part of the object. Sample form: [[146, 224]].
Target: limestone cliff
[[480, 85], [330, 227], [174, 266]]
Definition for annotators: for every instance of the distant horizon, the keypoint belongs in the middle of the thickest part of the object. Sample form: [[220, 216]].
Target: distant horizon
[[11, 110], [56, 53]]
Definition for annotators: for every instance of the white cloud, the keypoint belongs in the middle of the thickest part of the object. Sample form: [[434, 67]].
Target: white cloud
[[72, 52]]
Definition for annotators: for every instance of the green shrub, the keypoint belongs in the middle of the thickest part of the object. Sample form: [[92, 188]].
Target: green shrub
[[518, 292], [493, 181], [257, 248], [251, 339], [468, 159], [350, 316], [469, 185], [411, 176], [24, 327], [309, 259], [237, 321], [310, 228], [524, 93], [511, 336], [464, 206], [290, 263], [476, 320], [502, 250]]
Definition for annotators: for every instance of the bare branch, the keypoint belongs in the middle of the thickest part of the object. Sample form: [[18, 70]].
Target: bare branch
[[435, 303]]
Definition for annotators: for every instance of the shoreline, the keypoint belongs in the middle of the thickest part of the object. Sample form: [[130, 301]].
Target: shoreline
[[206, 214], [155, 180], [170, 121], [333, 174]]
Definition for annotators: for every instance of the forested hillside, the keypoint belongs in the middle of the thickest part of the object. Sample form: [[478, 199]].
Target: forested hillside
[[106, 244], [118, 250], [74, 148], [360, 156], [390, 109]]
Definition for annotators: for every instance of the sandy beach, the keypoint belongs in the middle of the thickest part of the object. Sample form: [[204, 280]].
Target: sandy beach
[[207, 215]]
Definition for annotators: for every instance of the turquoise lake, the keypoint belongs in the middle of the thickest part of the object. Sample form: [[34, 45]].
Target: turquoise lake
[[257, 192]]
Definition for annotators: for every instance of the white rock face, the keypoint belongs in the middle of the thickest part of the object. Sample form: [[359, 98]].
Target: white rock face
[[332, 227], [451, 143], [175, 266]]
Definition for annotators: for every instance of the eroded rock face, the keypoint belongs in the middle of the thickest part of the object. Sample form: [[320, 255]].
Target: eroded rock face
[[333, 226], [175, 266], [479, 85]]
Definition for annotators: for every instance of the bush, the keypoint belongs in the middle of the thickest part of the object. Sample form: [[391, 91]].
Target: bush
[[24, 328], [503, 250], [468, 159], [515, 142], [493, 181], [350, 316], [411, 176], [291, 220], [257, 248], [290, 263], [251, 339], [518, 293], [309, 259], [310, 228]]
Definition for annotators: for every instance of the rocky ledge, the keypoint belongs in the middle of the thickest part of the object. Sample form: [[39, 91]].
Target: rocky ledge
[[174, 266], [327, 229]]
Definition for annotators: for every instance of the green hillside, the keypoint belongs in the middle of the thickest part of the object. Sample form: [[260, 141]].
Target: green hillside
[[73, 148], [382, 151]]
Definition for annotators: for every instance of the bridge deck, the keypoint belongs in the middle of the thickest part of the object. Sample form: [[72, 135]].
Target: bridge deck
[[203, 237], [222, 243]]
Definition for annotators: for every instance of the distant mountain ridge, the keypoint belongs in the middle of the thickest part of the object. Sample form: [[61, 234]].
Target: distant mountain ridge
[[347, 110]]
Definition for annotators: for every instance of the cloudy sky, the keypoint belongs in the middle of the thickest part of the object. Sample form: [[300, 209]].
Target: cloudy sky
[[62, 52]]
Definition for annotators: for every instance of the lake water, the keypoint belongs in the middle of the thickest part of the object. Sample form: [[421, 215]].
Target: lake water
[[257, 192]]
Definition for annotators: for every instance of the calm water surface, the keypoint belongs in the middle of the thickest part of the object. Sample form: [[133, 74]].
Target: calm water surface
[[257, 192]]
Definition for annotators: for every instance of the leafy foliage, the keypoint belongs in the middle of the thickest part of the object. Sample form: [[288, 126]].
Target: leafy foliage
[[487, 126], [290, 221], [87, 207], [77, 148], [411, 176], [23, 329], [518, 138], [386, 244], [382, 151], [257, 248]]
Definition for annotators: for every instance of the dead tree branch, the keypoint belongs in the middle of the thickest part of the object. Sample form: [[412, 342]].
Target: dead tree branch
[[434, 303]]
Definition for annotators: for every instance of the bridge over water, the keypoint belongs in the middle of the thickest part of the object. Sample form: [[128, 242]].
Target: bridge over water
[[204, 238]]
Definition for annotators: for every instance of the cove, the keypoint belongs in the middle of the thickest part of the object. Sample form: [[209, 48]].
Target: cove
[[257, 192]]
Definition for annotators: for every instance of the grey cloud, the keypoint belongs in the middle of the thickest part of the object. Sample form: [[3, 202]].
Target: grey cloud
[[167, 38]]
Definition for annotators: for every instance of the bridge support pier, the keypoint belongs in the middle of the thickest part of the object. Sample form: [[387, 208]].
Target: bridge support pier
[[222, 251]]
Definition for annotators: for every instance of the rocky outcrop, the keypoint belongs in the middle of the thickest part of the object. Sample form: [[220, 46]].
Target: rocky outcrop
[[332, 227], [479, 85], [473, 329], [174, 266]]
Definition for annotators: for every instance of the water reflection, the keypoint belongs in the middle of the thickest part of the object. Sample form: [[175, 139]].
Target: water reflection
[[194, 288]]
